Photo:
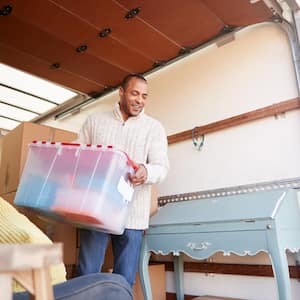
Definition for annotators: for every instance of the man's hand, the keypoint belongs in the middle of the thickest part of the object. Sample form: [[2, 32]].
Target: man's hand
[[140, 176]]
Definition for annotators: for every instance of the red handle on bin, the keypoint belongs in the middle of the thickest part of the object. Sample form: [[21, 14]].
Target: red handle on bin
[[70, 144], [133, 164]]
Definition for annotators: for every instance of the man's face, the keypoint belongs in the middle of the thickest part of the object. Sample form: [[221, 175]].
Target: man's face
[[133, 98]]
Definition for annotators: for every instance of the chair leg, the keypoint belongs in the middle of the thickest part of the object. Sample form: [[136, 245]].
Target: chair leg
[[42, 286], [6, 286]]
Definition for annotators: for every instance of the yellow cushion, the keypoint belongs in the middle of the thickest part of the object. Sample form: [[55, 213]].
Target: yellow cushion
[[16, 228]]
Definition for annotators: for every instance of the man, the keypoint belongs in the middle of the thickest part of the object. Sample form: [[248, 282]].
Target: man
[[143, 138]]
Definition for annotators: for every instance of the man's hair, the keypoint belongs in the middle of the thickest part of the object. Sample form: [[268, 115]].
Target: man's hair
[[129, 76]]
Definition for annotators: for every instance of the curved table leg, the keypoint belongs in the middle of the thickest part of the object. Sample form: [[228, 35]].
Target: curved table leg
[[281, 272], [178, 271], [144, 271]]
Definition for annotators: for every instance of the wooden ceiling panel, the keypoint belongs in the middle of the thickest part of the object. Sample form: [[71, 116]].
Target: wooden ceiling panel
[[50, 49], [132, 33], [40, 68], [98, 13], [127, 60], [189, 25], [239, 12], [63, 24], [37, 33]]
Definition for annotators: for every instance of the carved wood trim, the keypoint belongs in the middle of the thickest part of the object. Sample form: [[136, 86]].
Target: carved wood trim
[[232, 269], [260, 113]]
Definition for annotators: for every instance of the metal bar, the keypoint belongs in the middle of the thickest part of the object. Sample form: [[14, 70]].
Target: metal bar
[[291, 31], [76, 107], [273, 6], [294, 6], [8, 118], [234, 190], [60, 108]]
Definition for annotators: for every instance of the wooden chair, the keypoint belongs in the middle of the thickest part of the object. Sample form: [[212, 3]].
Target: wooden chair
[[28, 264]]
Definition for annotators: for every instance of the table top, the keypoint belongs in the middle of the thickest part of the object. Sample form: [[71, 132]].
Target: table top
[[266, 205]]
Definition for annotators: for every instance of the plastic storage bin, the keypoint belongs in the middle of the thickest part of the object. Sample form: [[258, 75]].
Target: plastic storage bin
[[83, 184]]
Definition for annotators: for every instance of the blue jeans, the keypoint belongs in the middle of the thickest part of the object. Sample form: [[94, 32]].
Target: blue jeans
[[126, 252], [100, 286]]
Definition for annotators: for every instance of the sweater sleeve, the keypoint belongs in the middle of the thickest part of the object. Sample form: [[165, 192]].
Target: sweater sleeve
[[157, 162], [85, 133]]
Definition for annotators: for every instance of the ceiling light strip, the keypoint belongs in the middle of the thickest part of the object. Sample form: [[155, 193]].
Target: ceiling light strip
[[28, 94], [293, 183], [12, 119], [20, 107]]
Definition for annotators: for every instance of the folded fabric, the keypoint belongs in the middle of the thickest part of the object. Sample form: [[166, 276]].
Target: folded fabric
[[15, 228]]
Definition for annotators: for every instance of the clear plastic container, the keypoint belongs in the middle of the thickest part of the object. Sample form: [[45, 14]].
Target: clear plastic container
[[83, 184]]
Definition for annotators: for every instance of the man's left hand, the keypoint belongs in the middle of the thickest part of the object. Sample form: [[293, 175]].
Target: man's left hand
[[140, 175]]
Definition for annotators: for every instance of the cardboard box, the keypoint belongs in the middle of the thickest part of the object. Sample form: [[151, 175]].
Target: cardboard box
[[57, 232], [158, 283], [9, 197], [15, 147], [1, 140]]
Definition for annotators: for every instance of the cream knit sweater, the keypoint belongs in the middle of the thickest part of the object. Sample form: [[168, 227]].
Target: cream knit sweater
[[144, 140]]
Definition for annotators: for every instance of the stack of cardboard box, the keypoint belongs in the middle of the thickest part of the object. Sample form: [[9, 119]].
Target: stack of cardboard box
[[157, 276], [14, 147], [1, 139]]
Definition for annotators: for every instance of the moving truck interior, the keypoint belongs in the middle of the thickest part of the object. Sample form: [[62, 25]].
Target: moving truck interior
[[223, 79]]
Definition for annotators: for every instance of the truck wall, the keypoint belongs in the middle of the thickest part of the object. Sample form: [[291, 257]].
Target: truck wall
[[253, 71]]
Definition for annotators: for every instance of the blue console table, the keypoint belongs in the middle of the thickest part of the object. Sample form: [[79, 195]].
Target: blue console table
[[243, 224]]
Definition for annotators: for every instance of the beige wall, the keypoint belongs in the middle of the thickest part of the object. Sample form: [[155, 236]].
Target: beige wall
[[255, 70]]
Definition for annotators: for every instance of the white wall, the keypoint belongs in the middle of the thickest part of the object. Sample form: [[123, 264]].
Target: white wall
[[254, 71]]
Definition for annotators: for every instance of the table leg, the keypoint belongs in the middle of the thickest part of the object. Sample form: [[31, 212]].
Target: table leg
[[179, 272], [281, 272], [144, 271]]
